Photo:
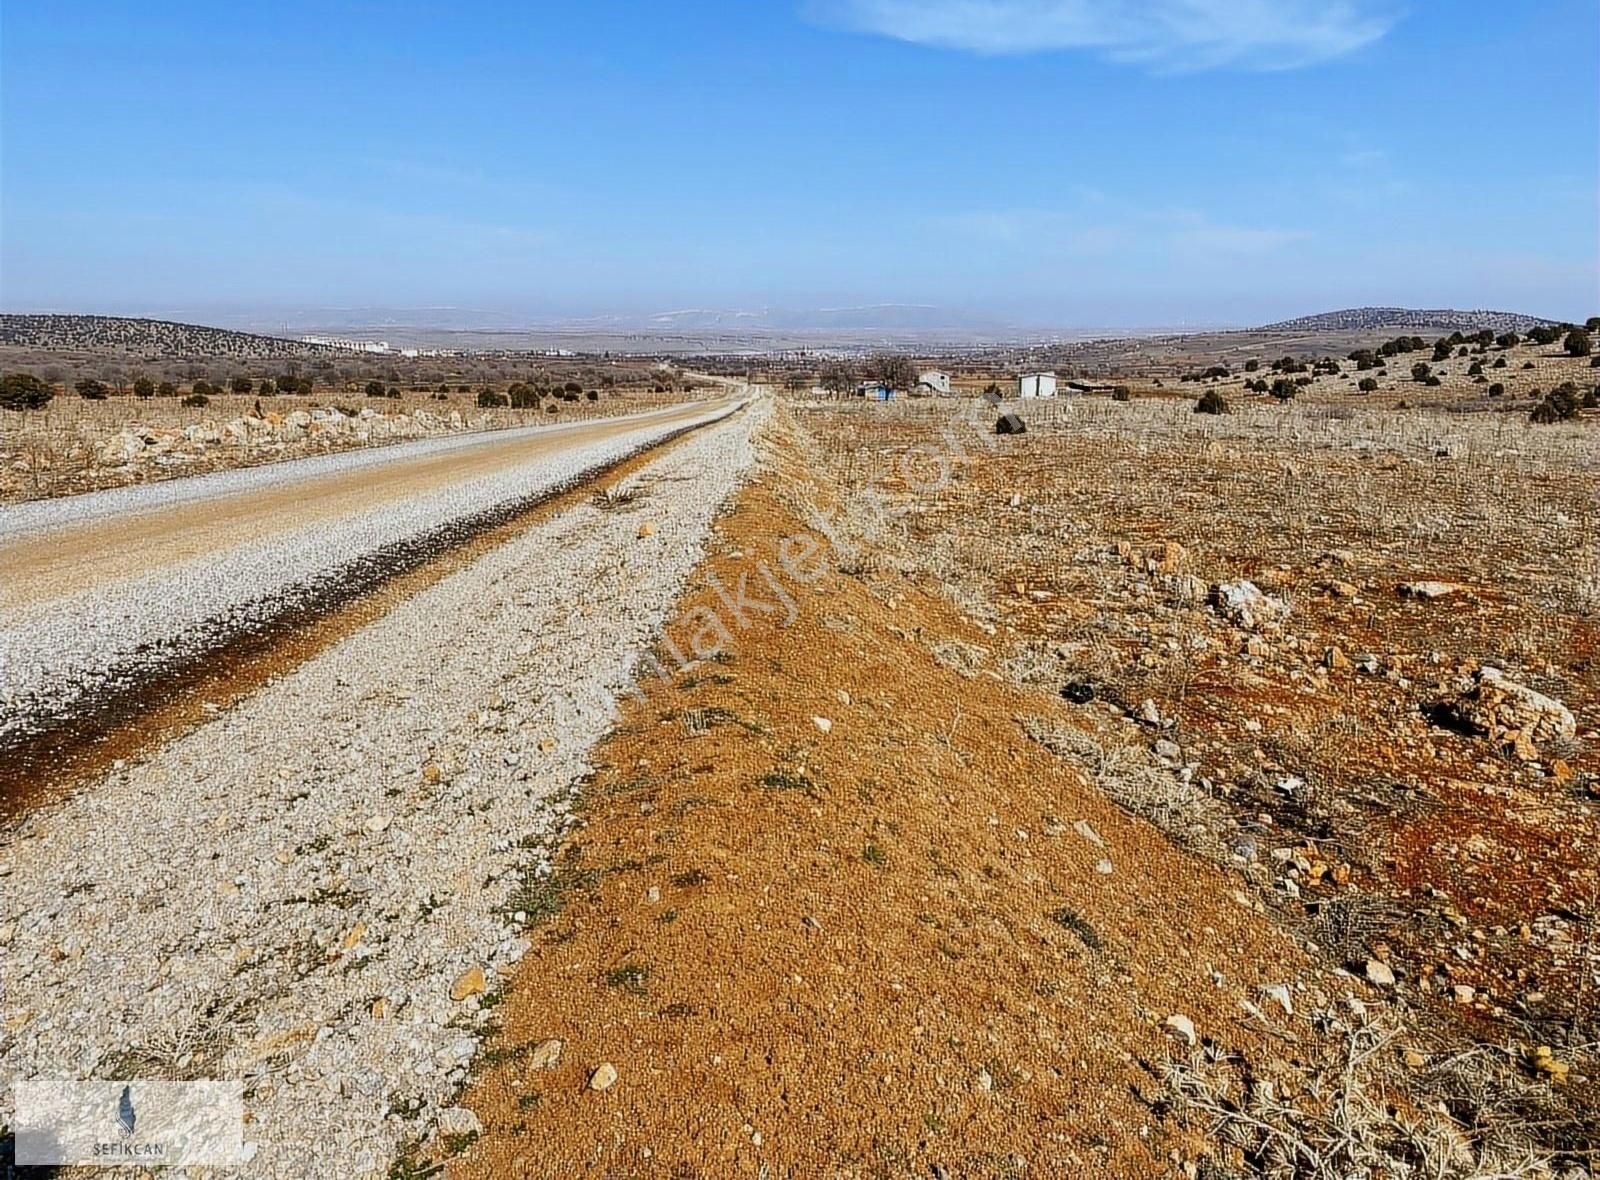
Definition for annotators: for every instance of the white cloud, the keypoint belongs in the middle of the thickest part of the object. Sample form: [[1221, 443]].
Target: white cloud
[[1166, 34], [1063, 233]]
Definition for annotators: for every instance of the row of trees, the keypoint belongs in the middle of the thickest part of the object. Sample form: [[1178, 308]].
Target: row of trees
[[894, 370]]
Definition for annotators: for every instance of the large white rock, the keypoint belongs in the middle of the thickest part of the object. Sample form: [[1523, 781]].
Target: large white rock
[[1501, 707], [1245, 603], [123, 447]]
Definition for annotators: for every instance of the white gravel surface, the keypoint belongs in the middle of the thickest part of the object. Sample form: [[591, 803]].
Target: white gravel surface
[[36, 515], [55, 653], [343, 842]]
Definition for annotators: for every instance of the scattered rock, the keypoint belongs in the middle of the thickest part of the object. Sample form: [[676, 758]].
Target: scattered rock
[[545, 1054], [470, 982], [355, 934], [1280, 993], [1379, 973], [647, 529], [1167, 558], [1426, 590], [1504, 710], [121, 448], [1547, 1065], [1247, 605], [1180, 1025], [822, 723], [604, 1077], [1188, 587], [1079, 692], [458, 1120], [1083, 828]]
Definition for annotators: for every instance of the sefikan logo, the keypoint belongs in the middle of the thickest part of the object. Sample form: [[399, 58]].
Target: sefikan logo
[[125, 1113]]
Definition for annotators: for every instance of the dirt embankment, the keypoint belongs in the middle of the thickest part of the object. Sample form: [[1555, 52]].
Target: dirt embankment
[[832, 913]]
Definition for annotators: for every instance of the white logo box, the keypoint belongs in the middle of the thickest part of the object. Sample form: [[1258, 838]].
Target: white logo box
[[133, 1122]]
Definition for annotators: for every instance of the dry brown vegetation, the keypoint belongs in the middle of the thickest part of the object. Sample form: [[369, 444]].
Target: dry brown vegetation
[[72, 445], [1309, 754], [1065, 813]]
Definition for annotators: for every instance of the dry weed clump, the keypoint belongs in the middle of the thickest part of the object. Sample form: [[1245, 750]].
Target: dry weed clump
[[1384, 1096], [1135, 781]]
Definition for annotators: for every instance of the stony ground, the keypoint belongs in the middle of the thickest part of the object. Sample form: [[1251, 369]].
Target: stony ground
[[1337, 735], [829, 913], [75, 446], [112, 586], [319, 890], [1146, 794], [866, 893]]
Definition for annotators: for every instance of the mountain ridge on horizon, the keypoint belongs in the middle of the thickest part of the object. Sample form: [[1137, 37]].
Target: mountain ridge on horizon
[[706, 326]]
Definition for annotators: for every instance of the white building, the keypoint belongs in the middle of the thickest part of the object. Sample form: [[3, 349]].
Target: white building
[[934, 382], [345, 344], [1036, 385]]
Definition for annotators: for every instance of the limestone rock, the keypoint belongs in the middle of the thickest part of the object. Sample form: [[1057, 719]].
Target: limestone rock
[[1180, 1025], [1426, 590], [545, 1054], [458, 1120], [123, 447], [470, 982], [1247, 605], [1504, 710]]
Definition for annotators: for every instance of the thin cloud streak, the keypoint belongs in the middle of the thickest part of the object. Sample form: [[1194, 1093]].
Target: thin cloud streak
[[1169, 35], [1064, 234]]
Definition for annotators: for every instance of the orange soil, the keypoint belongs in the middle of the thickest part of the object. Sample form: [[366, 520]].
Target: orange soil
[[854, 968]]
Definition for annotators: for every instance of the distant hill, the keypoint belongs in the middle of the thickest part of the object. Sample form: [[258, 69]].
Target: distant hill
[[1408, 319], [144, 338]]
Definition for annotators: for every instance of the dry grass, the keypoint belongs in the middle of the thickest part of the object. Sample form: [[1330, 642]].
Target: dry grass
[[58, 450], [1041, 540], [1361, 1108]]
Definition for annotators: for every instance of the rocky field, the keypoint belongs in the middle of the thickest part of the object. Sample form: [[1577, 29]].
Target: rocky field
[[854, 790], [320, 889], [74, 446]]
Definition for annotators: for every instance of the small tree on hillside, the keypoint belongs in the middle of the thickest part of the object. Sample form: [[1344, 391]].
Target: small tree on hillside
[[894, 369], [838, 378], [1578, 343], [24, 391]]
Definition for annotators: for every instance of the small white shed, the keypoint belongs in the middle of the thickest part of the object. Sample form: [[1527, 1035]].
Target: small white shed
[[934, 382], [1036, 385]]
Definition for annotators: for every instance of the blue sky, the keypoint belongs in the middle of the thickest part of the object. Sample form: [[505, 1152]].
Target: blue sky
[[1050, 162]]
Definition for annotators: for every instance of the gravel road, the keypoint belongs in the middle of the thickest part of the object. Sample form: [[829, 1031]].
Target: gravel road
[[100, 591], [289, 893]]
